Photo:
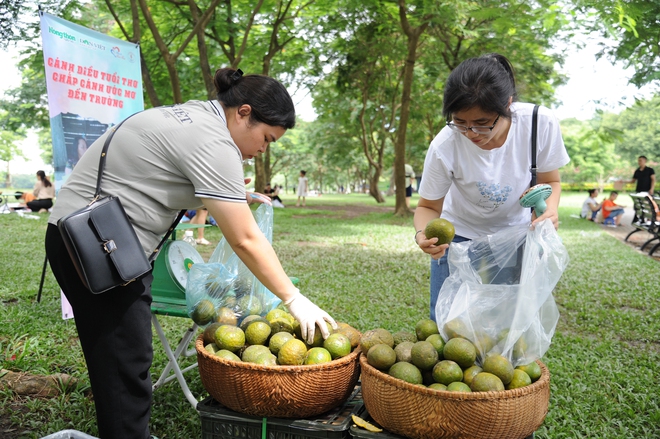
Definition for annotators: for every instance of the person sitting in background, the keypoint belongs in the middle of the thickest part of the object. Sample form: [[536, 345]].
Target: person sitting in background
[[591, 206], [273, 194], [41, 198], [612, 210]]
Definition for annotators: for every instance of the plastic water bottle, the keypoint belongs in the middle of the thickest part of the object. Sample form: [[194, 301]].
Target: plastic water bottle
[[189, 238]]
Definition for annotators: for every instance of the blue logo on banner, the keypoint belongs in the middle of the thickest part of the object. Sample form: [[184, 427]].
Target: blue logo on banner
[[116, 52]]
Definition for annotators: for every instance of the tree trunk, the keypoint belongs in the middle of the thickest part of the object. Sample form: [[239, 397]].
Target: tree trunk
[[147, 84], [373, 187], [413, 35], [259, 174], [168, 57], [268, 170], [207, 74]]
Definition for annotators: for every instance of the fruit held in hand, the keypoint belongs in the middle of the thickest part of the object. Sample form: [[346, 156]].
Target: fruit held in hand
[[440, 228]]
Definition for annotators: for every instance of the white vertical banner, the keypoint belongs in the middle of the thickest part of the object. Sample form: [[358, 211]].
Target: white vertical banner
[[94, 81]]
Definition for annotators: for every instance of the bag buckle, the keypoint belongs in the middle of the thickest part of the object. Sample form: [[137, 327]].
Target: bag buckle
[[94, 200], [109, 246]]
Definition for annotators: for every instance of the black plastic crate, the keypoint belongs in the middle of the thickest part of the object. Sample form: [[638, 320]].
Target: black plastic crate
[[219, 422], [357, 432]]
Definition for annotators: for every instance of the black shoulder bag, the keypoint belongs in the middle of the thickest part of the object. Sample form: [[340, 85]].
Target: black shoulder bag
[[102, 242]]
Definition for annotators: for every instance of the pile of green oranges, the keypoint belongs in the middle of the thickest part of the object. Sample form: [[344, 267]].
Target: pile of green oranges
[[425, 358], [276, 340]]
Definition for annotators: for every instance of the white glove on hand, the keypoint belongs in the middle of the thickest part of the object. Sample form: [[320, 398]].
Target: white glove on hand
[[309, 315]]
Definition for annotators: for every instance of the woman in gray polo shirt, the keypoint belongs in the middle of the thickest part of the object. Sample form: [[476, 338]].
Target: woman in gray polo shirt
[[161, 161]]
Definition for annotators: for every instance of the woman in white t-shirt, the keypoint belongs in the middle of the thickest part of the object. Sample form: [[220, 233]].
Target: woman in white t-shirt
[[477, 167], [591, 206]]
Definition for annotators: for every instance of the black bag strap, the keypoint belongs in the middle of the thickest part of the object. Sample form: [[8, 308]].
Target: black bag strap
[[97, 194], [154, 253], [104, 153], [535, 117]]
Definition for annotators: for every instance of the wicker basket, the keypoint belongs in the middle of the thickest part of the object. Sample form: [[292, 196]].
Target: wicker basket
[[420, 413], [278, 391]]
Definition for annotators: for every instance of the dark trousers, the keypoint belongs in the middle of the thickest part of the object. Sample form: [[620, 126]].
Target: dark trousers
[[439, 273], [37, 205], [115, 334]]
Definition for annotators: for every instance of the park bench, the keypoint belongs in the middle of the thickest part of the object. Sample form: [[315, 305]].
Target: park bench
[[646, 219]]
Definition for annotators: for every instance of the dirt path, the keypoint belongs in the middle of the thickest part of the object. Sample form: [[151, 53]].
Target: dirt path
[[636, 240], [353, 210]]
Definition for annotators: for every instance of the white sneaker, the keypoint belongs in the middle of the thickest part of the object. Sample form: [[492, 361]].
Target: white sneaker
[[202, 241]]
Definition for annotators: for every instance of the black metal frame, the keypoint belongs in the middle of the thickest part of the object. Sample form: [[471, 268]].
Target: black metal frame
[[646, 218]]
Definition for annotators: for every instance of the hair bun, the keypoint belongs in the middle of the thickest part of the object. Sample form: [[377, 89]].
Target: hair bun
[[236, 75], [226, 78]]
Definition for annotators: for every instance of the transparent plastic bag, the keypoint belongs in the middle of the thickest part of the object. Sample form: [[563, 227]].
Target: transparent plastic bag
[[228, 284], [499, 292]]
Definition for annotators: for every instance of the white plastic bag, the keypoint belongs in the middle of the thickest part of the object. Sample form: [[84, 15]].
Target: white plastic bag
[[227, 282], [499, 292]]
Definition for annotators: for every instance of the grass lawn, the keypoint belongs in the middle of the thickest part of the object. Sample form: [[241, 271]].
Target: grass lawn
[[362, 266]]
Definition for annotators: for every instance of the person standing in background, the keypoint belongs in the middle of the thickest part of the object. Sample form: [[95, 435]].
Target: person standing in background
[[410, 175], [302, 188], [644, 176]]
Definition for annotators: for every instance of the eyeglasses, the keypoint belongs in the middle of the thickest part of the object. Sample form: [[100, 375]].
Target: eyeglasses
[[477, 130]]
